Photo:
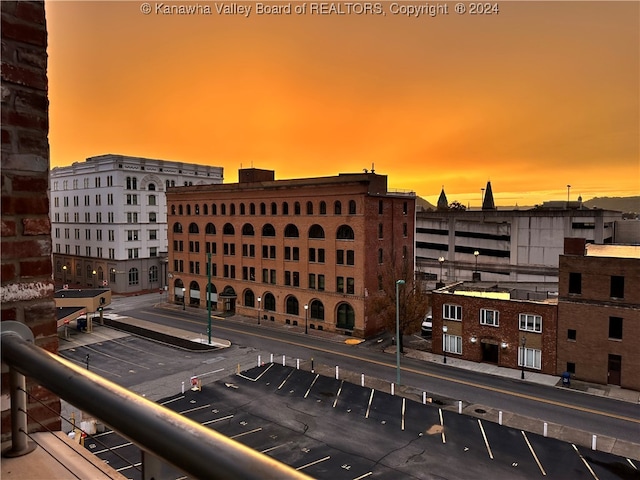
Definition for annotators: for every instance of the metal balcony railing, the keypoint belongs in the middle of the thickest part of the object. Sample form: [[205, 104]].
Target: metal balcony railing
[[163, 435]]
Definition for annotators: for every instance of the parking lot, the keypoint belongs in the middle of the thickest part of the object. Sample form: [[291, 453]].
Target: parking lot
[[329, 428]]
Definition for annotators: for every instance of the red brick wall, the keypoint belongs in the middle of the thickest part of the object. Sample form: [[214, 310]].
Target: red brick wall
[[27, 289]]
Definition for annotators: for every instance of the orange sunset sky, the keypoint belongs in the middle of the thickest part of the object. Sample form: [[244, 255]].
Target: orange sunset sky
[[538, 96]]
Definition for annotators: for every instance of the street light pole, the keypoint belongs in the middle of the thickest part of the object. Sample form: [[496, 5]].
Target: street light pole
[[444, 344], [475, 272], [64, 275], [398, 283], [209, 296], [441, 260], [524, 342], [184, 299], [259, 300], [306, 310]]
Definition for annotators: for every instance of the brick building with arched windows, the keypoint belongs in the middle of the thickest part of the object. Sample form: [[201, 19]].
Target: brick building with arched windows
[[303, 252]]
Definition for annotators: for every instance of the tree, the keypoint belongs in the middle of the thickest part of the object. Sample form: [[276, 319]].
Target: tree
[[456, 205], [413, 298]]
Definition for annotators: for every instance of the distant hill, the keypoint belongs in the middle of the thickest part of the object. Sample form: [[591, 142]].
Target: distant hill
[[620, 204], [423, 204]]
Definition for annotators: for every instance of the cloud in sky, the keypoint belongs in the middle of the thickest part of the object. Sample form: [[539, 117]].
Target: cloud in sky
[[540, 95]]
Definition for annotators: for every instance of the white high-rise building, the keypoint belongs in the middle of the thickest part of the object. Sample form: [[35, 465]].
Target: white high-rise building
[[109, 220]]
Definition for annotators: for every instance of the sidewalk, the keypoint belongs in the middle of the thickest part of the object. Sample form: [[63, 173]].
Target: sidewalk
[[610, 391]]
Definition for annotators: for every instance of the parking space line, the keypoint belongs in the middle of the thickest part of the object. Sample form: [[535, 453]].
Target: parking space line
[[258, 377], [216, 420], [632, 464], [194, 409], [314, 463], [311, 386], [535, 457], [444, 440], [110, 449], [247, 433], [173, 400], [368, 474], [285, 380], [486, 442], [586, 464], [134, 465], [273, 448], [335, 402], [369, 406], [403, 410]]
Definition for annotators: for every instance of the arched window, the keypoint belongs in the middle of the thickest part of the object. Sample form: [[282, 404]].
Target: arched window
[[274, 208], [173, 209], [263, 209], [180, 212], [252, 209], [188, 209], [242, 211], [223, 209], [269, 302], [316, 231], [337, 207], [214, 209], [352, 207], [177, 227], [323, 208], [167, 184], [228, 229], [193, 228], [247, 229], [232, 209], [210, 229], [89, 272], [285, 208], [196, 209], [345, 232], [194, 293], [153, 274], [309, 208], [291, 231], [317, 310], [268, 230], [293, 308], [212, 292], [249, 298], [151, 187], [100, 274], [296, 208], [133, 276], [346, 317], [205, 209]]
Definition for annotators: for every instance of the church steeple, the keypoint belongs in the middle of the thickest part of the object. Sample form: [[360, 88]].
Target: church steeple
[[488, 203], [443, 204]]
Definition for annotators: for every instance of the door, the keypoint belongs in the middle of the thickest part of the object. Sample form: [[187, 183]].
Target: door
[[615, 367], [489, 353]]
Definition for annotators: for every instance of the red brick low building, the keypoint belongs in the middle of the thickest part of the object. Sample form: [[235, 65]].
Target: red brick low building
[[491, 326], [599, 314], [302, 252]]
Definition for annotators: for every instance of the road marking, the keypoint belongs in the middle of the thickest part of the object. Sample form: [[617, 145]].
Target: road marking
[[112, 448], [631, 463], [444, 440], [258, 377], [535, 457], [194, 409], [369, 406], [311, 386], [486, 442], [133, 465], [338, 394], [247, 433], [173, 400], [285, 380], [585, 462], [368, 474], [273, 448], [412, 370], [314, 463], [216, 420], [403, 410]]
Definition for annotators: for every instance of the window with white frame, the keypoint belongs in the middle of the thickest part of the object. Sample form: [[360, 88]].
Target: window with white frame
[[529, 358], [489, 317], [530, 322], [451, 312], [452, 344]]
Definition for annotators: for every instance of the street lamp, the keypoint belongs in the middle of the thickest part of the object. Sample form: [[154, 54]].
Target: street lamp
[[184, 299], [398, 283], [524, 342], [441, 260], [568, 190], [93, 278], [259, 300], [475, 272], [444, 344], [306, 310], [64, 275]]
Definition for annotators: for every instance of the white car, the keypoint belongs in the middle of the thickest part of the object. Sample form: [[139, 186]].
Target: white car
[[427, 325]]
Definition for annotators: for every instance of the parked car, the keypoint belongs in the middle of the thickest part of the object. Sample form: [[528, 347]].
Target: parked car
[[427, 326]]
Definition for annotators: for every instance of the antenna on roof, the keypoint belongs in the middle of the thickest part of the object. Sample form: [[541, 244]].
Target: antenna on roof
[[373, 168]]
